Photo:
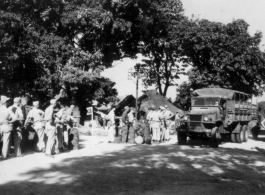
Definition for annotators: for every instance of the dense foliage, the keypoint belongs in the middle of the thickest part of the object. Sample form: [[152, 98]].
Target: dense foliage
[[225, 56], [47, 45]]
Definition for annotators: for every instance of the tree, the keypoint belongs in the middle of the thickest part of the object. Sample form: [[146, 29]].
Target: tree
[[149, 28], [183, 99], [224, 56], [39, 52]]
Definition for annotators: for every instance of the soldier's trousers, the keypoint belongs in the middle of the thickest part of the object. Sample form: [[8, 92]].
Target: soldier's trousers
[[51, 140], [17, 136], [111, 132], [59, 137], [5, 131], [39, 128], [124, 134], [156, 131], [147, 136], [132, 134]]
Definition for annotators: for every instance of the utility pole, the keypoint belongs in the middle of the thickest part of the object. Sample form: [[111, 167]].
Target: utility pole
[[135, 73]]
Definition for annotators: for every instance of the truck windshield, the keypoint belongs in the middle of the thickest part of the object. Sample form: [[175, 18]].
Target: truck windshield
[[205, 101]]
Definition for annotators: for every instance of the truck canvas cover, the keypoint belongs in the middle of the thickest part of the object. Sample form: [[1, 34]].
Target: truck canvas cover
[[220, 92]]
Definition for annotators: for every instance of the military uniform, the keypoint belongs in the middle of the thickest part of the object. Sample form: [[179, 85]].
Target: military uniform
[[50, 129], [37, 116], [156, 122], [111, 126], [131, 128], [17, 126], [5, 126], [124, 132], [59, 123], [148, 118], [167, 116]]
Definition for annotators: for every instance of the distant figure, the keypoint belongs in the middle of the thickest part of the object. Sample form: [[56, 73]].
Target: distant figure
[[17, 126], [76, 114], [36, 116], [50, 129], [111, 125], [167, 115], [7, 117], [156, 123], [125, 124]]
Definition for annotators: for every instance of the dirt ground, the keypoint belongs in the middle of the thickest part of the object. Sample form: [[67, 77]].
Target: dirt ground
[[102, 168]]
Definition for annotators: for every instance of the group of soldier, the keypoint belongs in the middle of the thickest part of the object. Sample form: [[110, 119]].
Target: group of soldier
[[154, 126], [51, 127]]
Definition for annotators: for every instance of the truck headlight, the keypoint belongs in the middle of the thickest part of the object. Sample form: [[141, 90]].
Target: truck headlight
[[206, 118], [185, 118]]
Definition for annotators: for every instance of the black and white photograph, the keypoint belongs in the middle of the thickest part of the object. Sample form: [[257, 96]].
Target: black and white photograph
[[132, 97]]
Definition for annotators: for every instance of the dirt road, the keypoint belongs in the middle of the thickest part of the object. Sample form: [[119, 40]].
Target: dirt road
[[102, 168]]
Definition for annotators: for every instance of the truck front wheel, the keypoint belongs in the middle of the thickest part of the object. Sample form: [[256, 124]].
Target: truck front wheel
[[215, 138], [182, 138]]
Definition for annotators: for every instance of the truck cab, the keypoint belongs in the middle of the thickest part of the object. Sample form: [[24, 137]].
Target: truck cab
[[217, 115]]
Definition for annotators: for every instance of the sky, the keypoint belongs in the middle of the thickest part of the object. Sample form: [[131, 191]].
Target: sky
[[224, 11]]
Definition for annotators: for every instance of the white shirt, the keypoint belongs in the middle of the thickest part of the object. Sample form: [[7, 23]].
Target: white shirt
[[111, 116], [35, 113], [167, 114], [18, 113], [6, 114], [48, 113], [156, 116], [149, 114], [130, 117]]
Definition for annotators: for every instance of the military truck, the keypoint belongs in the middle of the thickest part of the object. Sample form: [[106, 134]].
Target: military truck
[[218, 115]]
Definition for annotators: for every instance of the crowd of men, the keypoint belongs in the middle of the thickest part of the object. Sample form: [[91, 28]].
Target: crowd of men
[[154, 126], [51, 127]]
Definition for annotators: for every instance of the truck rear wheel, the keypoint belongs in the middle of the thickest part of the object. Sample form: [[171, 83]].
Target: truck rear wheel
[[238, 137], [182, 138], [239, 134], [233, 137], [245, 133]]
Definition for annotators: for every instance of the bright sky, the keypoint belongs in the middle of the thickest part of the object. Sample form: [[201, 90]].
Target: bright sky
[[225, 11]]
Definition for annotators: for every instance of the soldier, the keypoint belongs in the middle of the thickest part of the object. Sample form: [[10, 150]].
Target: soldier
[[6, 125], [111, 126], [50, 129], [156, 122], [148, 117], [124, 132], [131, 124], [36, 116], [17, 126], [64, 123], [163, 122], [167, 115], [59, 123]]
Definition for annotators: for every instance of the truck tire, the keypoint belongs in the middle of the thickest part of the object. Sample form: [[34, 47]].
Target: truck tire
[[182, 138], [233, 137], [238, 137], [245, 133], [215, 138]]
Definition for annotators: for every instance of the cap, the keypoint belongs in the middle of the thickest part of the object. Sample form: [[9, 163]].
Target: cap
[[53, 101], [17, 99], [162, 107], [36, 103], [4, 99]]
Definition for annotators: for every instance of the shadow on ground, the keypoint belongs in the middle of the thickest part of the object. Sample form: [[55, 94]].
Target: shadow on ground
[[161, 169]]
